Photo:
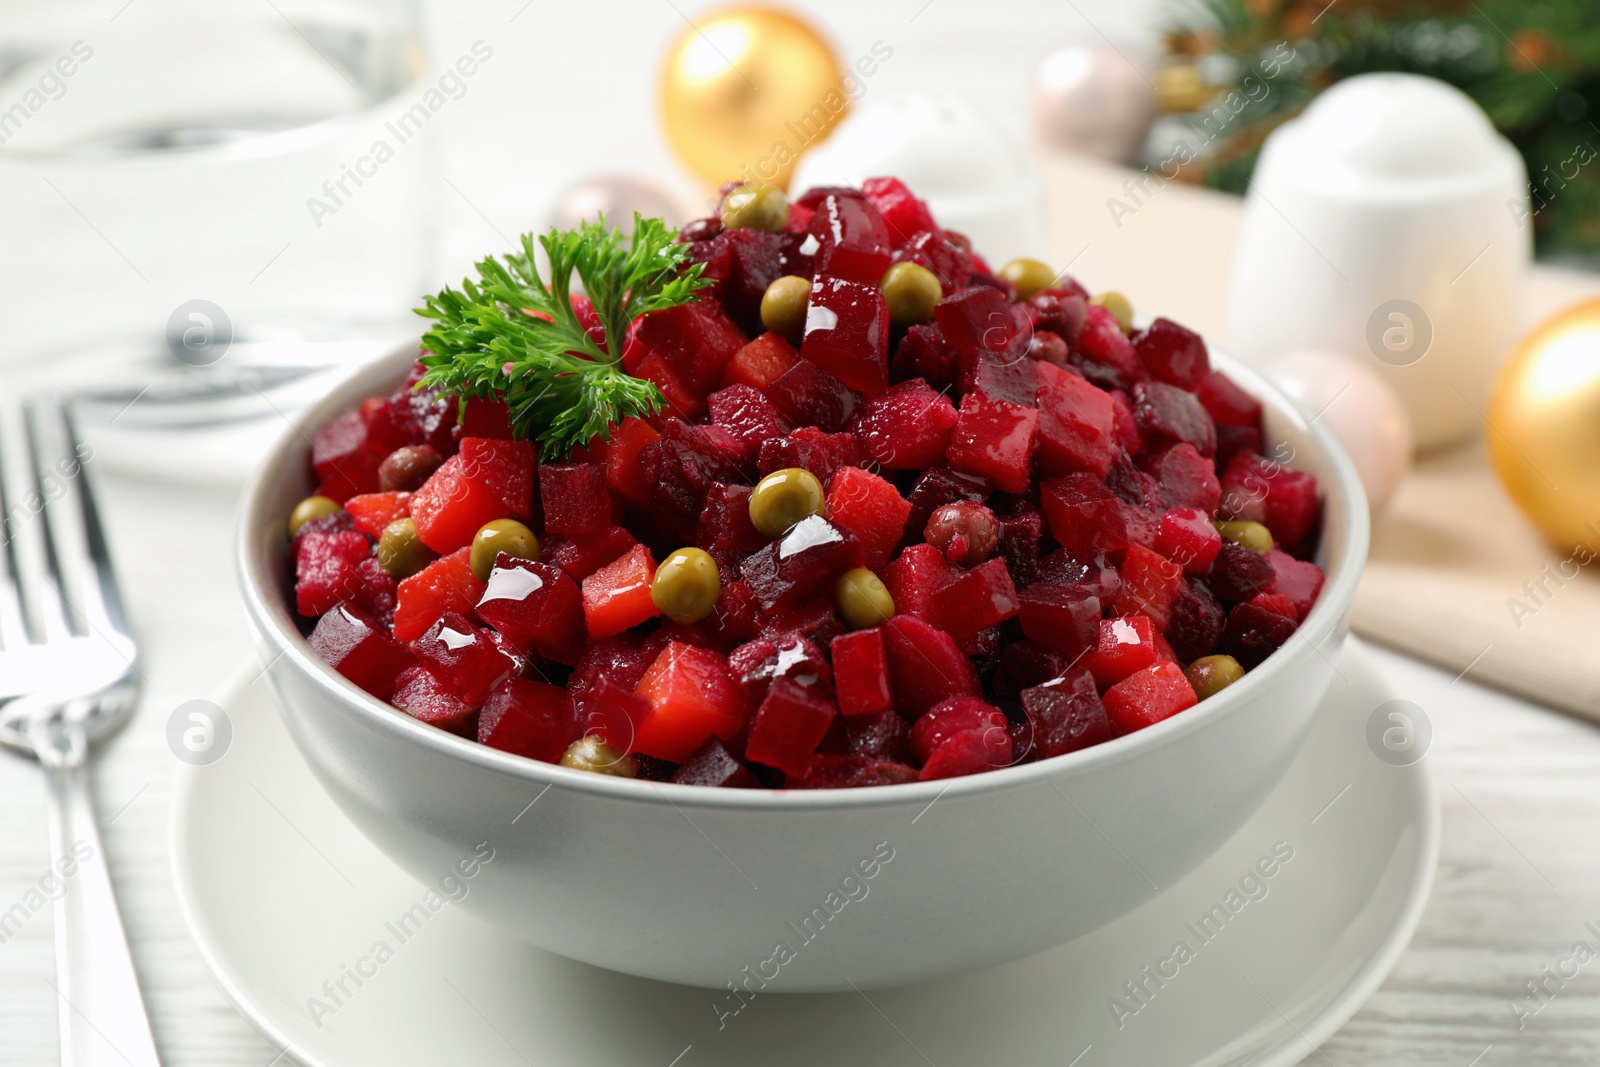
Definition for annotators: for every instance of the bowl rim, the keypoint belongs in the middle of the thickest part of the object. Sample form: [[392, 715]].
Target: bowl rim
[[274, 626]]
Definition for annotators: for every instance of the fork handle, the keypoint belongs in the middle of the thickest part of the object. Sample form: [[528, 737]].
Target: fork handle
[[102, 1016]]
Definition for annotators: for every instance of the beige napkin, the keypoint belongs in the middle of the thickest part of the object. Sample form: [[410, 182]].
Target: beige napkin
[[1453, 552]]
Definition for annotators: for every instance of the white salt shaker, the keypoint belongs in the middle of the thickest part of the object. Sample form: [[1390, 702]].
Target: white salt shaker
[[1389, 223]]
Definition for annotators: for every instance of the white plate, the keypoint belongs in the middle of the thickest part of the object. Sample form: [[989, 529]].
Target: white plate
[[282, 895]]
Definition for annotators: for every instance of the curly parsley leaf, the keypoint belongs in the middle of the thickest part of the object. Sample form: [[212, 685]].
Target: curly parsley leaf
[[512, 335]]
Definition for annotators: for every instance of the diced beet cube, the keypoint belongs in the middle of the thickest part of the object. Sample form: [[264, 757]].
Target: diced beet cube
[[1060, 311], [1186, 478], [1093, 576], [1228, 404], [1076, 424], [1172, 353], [682, 400], [1025, 664], [847, 333], [788, 726], [755, 261], [481, 417], [612, 711], [1296, 579], [326, 569], [996, 440], [816, 621], [968, 753], [1232, 440], [923, 353], [908, 427], [760, 363], [1146, 697], [870, 508], [974, 320], [1133, 486], [917, 577], [1001, 376], [925, 666], [811, 396], [1238, 573], [806, 559], [623, 473], [818, 452], [851, 772], [1066, 714], [462, 657], [344, 462], [713, 765], [1126, 645], [930, 249], [1104, 352], [691, 698], [953, 717], [682, 466], [983, 597], [372, 512], [535, 605], [902, 212], [422, 695], [1262, 490], [374, 592], [1255, 632], [725, 521], [576, 498], [1061, 616], [584, 554], [621, 658], [360, 649], [529, 719], [882, 735], [1196, 623], [1124, 426], [852, 237], [695, 340], [755, 664], [445, 585], [861, 673], [1166, 413], [1150, 581], [748, 415], [1189, 539], [617, 596], [737, 614], [1083, 515], [1276, 602], [937, 486], [1020, 532]]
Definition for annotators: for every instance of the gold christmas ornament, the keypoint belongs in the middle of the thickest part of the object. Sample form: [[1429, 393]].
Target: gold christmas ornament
[[1544, 426], [746, 90]]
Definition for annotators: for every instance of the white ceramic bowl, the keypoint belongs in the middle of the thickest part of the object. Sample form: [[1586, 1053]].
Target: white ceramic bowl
[[792, 891]]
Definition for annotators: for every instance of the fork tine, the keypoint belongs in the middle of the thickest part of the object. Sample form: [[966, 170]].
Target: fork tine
[[41, 604], [76, 545], [13, 618]]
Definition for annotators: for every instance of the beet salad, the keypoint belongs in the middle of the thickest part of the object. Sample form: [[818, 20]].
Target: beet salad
[[803, 496]]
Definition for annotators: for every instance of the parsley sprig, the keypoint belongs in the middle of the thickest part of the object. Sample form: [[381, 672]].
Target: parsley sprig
[[511, 335]]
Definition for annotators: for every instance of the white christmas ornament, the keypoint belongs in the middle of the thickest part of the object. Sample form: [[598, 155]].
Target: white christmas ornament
[[1358, 408], [975, 178], [1388, 222], [1096, 98]]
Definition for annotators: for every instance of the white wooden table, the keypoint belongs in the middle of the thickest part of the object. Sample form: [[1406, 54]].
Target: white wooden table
[[1520, 785]]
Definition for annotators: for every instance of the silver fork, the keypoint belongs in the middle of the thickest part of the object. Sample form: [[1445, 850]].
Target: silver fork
[[68, 676]]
